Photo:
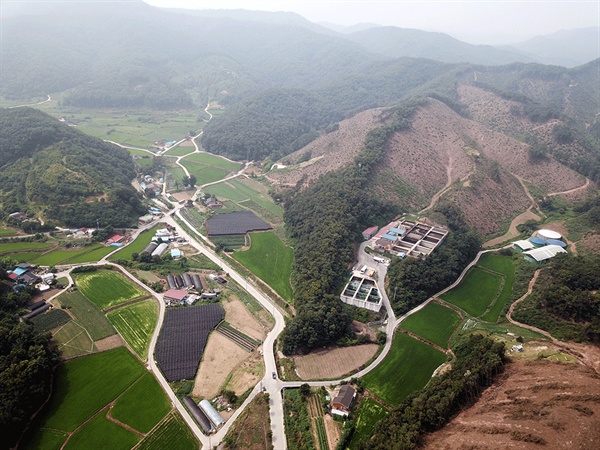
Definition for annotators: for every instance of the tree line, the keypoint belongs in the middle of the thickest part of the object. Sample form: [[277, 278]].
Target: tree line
[[27, 361], [324, 221]]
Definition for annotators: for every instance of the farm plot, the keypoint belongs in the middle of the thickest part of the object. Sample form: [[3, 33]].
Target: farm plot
[[86, 254], [136, 246], [24, 256], [100, 432], [478, 290], [204, 173], [13, 247], [243, 191], [106, 288], [434, 322], [4, 232], [87, 314], [143, 405], [328, 364], [73, 340], [215, 161], [182, 339], [240, 222], [271, 260], [45, 439], [85, 385], [502, 265], [369, 414], [49, 320], [93, 255], [135, 323], [141, 157], [407, 368], [171, 433]]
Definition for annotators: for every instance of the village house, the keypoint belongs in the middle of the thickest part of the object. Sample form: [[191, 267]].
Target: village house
[[343, 401]]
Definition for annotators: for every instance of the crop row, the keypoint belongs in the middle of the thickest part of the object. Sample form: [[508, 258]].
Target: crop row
[[246, 342], [321, 433]]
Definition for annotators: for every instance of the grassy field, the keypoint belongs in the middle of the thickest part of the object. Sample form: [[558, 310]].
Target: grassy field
[[204, 173], [504, 266], [215, 161], [102, 433], [143, 405], [23, 256], [270, 260], [10, 247], [136, 246], [144, 158], [407, 368], [7, 232], [106, 288], [92, 253], [86, 385], [434, 322], [135, 323], [174, 174], [72, 340], [172, 433], [136, 128], [368, 415], [247, 192], [476, 292], [87, 314]]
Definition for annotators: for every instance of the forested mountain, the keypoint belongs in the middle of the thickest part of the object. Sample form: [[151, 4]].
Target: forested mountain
[[394, 42], [56, 172]]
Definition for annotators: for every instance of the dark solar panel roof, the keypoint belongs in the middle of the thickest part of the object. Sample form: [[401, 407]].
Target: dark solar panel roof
[[239, 222]]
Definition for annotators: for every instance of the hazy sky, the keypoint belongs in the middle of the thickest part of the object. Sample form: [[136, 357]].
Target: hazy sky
[[481, 21]]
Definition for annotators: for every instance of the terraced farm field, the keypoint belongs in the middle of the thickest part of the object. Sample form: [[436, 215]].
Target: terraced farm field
[[203, 173], [476, 292], [434, 322], [13, 247], [270, 260], [106, 288], [135, 323], [502, 265], [407, 368], [248, 193]]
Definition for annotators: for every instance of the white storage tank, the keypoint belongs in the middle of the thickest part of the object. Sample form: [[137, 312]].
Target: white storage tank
[[212, 414]]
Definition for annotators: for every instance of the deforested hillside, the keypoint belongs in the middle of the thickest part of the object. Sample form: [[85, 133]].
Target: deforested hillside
[[445, 155], [54, 172]]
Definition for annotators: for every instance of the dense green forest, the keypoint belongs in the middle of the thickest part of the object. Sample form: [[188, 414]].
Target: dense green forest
[[412, 281], [62, 174], [324, 221], [27, 360], [565, 301], [478, 361]]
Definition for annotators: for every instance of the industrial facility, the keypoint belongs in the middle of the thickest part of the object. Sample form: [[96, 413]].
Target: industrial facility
[[407, 238]]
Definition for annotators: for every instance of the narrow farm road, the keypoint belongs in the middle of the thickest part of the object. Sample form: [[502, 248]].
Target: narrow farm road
[[31, 104], [571, 191]]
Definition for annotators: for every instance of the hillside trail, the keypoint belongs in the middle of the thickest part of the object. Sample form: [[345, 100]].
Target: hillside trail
[[571, 191], [446, 187], [528, 214], [586, 355]]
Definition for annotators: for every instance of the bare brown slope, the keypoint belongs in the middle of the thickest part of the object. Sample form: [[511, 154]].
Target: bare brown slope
[[533, 405], [331, 151]]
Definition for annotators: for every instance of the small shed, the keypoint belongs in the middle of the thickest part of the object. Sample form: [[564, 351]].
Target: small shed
[[175, 253]]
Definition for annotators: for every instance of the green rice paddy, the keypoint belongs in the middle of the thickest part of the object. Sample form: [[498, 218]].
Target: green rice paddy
[[87, 314], [145, 395], [101, 433], [215, 161], [72, 340], [248, 193], [270, 260], [86, 385], [106, 288], [476, 292], [135, 323], [172, 433], [203, 173], [407, 368], [434, 322]]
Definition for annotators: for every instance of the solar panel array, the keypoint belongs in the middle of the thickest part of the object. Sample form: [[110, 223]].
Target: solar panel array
[[182, 339], [239, 222]]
